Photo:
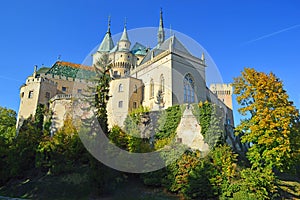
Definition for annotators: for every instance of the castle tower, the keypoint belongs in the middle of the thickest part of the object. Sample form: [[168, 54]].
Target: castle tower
[[37, 90], [161, 31], [122, 57], [223, 92], [124, 43], [106, 45]]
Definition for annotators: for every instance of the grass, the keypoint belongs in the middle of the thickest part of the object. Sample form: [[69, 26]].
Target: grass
[[76, 185]]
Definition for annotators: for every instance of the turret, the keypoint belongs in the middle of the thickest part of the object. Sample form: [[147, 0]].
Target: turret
[[107, 43], [124, 43]]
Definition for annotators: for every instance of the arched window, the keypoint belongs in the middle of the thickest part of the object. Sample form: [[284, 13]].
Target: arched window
[[151, 88], [121, 87], [188, 86], [135, 89], [162, 83]]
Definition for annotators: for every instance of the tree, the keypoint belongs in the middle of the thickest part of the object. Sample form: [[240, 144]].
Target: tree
[[210, 119], [7, 135], [270, 118], [39, 116], [103, 79]]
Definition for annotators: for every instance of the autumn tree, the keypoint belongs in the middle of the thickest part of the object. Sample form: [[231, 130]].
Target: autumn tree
[[269, 119]]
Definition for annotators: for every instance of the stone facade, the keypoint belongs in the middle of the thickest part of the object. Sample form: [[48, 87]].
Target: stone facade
[[157, 78]]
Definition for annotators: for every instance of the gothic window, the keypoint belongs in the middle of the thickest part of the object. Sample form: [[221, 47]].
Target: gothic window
[[135, 89], [162, 83], [188, 85], [151, 88], [121, 87]]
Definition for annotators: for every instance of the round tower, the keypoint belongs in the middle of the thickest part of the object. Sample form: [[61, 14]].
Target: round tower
[[123, 57]]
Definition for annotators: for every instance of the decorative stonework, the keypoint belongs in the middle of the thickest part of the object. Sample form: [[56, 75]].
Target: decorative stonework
[[189, 132]]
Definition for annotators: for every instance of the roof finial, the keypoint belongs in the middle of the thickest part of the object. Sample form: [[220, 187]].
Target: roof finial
[[161, 31], [124, 34], [35, 71], [108, 26]]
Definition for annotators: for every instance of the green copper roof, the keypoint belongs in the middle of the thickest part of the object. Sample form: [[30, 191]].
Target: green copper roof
[[124, 36], [42, 70], [139, 49], [72, 70], [107, 43]]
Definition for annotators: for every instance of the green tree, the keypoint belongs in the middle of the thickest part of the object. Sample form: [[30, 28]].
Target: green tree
[[210, 117], [62, 152], [102, 68], [269, 122], [7, 135], [39, 116]]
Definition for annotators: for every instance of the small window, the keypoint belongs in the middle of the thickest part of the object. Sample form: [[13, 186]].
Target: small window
[[64, 89], [135, 89], [120, 104], [121, 87], [22, 94], [128, 56], [30, 94], [134, 104], [47, 95], [79, 91]]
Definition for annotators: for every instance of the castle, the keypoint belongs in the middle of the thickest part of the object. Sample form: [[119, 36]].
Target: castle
[[157, 78]]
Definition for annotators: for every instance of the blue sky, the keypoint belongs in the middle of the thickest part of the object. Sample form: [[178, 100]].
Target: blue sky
[[264, 35]]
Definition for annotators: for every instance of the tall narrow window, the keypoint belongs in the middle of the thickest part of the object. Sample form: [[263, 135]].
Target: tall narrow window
[[135, 89], [30, 94], [151, 88], [162, 83], [134, 104], [120, 104], [121, 87], [188, 86]]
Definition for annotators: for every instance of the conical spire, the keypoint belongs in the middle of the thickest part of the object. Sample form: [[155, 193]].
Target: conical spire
[[161, 31], [107, 43], [124, 36]]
